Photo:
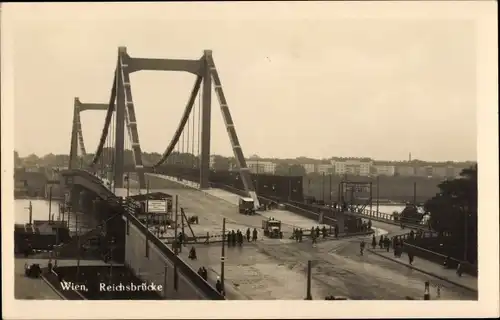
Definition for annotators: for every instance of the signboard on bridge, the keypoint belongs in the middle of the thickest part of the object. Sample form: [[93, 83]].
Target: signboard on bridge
[[157, 206], [356, 188]]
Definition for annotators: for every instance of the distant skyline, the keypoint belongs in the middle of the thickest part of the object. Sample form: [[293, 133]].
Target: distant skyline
[[312, 87]]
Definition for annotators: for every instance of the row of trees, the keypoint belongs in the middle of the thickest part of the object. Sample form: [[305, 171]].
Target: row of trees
[[454, 211]]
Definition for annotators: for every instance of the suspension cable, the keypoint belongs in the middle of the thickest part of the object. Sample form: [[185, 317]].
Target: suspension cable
[[187, 141], [112, 143], [199, 129], [193, 115]]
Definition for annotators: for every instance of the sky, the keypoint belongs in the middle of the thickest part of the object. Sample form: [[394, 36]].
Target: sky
[[299, 81]]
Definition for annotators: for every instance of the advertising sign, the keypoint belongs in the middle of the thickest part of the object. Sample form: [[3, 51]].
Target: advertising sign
[[157, 206]]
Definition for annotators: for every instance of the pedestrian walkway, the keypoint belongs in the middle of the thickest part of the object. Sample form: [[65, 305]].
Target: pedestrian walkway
[[433, 269], [231, 292]]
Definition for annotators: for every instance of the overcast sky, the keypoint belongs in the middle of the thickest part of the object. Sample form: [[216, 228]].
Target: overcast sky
[[298, 82]]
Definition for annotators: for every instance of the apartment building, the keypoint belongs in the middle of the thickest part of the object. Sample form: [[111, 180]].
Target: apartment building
[[405, 170], [310, 168], [384, 169], [440, 171], [352, 166], [260, 166], [325, 168]]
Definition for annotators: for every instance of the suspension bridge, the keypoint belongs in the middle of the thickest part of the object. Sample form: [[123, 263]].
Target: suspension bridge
[[96, 182]]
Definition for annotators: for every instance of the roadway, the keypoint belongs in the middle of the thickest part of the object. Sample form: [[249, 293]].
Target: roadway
[[276, 269]]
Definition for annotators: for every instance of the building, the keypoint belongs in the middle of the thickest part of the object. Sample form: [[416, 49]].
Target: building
[[384, 169], [212, 161], [310, 168], [405, 170], [440, 171], [325, 168], [423, 171], [352, 166], [259, 166]]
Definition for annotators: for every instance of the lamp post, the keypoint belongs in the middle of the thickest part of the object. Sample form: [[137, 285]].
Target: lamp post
[[323, 188], [223, 254], [127, 179], [50, 202]]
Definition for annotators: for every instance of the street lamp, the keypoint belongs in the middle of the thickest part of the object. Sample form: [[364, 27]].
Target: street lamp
[[127, 179]]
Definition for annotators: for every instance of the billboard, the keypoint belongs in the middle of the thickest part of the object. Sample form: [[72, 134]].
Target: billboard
[[157, 206]]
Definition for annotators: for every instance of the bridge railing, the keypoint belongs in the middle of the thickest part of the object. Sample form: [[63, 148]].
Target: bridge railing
[[128, 209], [471, 269], [265, 200], [409, 245]]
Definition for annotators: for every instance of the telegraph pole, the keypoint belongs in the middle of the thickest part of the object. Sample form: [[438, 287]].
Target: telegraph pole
[[223, 253], [378, 194], [289, 184], [308, 290], [174, 243], [50, 202], [323, 187], [330, 188], [128, 184], [415, 193], [78, 249]]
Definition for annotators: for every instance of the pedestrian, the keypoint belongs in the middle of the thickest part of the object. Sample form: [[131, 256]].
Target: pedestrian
[[374, 242], [204, 273], [323, 230], [233, 238], [301, 234], [381, 242], [218, 286], [254, 234], [248, 234], [410, 257], [192, 254], [317, 232], [240, 238]]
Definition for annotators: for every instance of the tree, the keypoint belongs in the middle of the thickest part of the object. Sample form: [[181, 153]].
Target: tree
[[282, 169], [221, 163], [17, 159], [32, 160], [297, 170], [454, 210]]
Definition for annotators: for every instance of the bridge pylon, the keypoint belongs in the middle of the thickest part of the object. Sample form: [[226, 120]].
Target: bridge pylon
[[122, 107], [77, 142]]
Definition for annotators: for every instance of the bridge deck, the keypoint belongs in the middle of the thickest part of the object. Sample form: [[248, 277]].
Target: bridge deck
[[250, 272]]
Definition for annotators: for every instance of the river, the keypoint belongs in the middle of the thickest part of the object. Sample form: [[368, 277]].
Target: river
[[41, 212]]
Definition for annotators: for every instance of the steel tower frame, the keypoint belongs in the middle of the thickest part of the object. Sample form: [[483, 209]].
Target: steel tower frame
[[121, 103]]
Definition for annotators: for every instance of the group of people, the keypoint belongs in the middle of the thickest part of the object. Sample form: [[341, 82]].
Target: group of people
[[234, 238], [203, 273], [315, 233], [449, 264], [396, 243]]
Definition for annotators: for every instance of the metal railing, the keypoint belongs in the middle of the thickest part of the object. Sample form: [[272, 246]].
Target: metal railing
[[128, 208]]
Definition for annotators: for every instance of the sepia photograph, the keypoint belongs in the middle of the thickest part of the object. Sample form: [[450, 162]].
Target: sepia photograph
[[201, 151]]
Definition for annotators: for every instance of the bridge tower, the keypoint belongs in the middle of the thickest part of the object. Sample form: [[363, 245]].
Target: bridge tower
[[77, 142], [121, 107]]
